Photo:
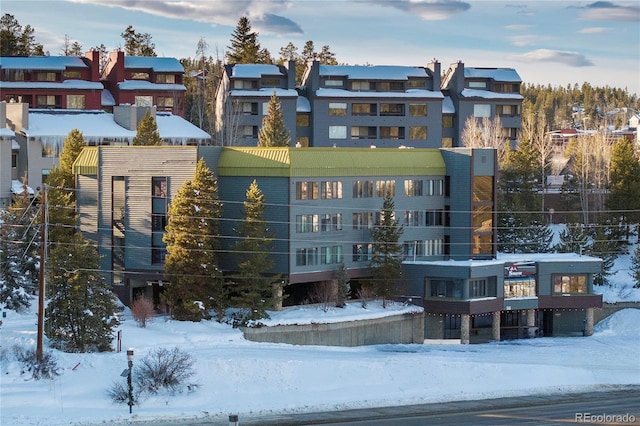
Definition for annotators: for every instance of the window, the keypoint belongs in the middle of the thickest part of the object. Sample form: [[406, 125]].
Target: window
[[434, 218], [392, 132], [302, 140], [46, 76], [510, 132], [360, 85], [14, 160], [385, 187], [307, 256], [159, 187], [390, 86], [477, 84], [331, 222], [245, 84], [331, 82], [71, 75], [307, 223], [483, 188], [249, 108], [478, 288], [50, 150], [416, 84], [520, 287], [331, 255], [412, 249], [270, 82], [570, 283], [412, 218], [362, 252], [166, 78], [363, 109], [447, 121], [165, 102], [306, 190], [363, 189], [413, 187], [418, 110], [140, 76], [337, 132], [158, 218], [337, 109], [435, 187], [447, 142], [75, 101], [14, 75], [47, 101], [331, 189], [363, 132], [507, 110], [433, 247], [144, 101], [249, 131], [363, 220], [446, 288], [418, 133], [302, 120], [380, 217], [392, 109], [506, 87], [481, 110], [265, 108]]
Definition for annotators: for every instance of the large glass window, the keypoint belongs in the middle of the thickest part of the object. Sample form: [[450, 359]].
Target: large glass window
[[413, 187], [569, 283], [75, 101], [166, 78], [434, 218], [47, 101], [363, 109], [390, 86], [363, 220], [331, 255], [331, 189], [337, 132], [330, 82], [385, 187], [519, 287], [418, 133], [249, 131], [46, 76], [337, 109], [483, 188], [331, 222], [249, 108], [446, 288], [412, 218], [482, 110], [307, 256], [140, 76], [360, 85], [362, 252], [363, 189], [363, 132], [447, 121], [306, 190], [392, 109], [477, 84], [144, 101], [302, 120], [158, 218], [418, 110], [507, 110], [391, 132], [245, 84], [307, 223]]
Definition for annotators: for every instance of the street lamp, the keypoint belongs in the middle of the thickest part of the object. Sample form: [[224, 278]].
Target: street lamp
[[130, 359]]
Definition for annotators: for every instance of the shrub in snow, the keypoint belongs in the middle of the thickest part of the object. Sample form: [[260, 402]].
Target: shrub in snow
[[47, 368], [164, 369], [142, 310], [324, 293]]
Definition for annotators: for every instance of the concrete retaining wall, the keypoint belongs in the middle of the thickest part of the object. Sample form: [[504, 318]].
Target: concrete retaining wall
[[611, 308], [404, 328]]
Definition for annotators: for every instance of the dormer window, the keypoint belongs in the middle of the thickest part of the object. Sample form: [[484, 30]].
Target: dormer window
[[477, 85], [71, 75], [270, 82], [360, 85], [245, 84], [166, 78], [140, 76], [46, 76], [389, 86], [333, 83], [417, 84]]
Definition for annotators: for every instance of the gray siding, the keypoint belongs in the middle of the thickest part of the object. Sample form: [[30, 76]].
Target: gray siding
[[88, 205]]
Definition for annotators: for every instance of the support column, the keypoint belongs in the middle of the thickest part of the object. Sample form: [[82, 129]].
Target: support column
[[465, 325], [531, 323], [588, 324], [495, 326]]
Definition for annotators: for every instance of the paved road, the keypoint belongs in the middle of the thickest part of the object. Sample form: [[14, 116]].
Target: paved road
[[528, 410]]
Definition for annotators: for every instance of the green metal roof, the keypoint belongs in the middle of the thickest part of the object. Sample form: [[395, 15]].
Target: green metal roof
[[87, 162], [329, 162]]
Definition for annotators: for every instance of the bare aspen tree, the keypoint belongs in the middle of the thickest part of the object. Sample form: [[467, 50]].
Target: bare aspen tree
[[534, 129], [485, 133]]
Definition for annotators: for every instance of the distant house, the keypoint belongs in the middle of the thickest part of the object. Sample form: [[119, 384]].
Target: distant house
[[146, 81]]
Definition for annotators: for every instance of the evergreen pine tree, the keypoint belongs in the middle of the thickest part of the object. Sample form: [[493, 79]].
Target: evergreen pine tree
[[82, 311], [573, 239], [624, 185], [245, 48], [73, 145], [635, 267], [191, 265], [147, 132], [273, 131], [386, 262], [342, 280], [253, 285], [137, 44]]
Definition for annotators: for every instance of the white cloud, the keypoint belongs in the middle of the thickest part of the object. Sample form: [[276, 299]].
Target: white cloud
[[518, 27], [572, 59], [428, 10], [608, 11], [595, 30], [527, 39]]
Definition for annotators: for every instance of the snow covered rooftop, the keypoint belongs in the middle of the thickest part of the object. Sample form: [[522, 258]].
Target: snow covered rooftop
[[107, 98], [175, 128], [266, 92], [254, 70], [376, 72], [48, 63], [447, 106], [147, 85], [504, 258], [303, 104], [18, 188], [487, 94], [61, 85], [411, 93], [496, 74], [167, 65]]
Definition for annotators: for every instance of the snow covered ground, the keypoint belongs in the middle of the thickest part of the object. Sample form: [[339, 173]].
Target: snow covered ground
[[235, 376]]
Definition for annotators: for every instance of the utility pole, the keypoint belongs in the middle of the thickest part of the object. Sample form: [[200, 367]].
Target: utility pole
[[41, 285]]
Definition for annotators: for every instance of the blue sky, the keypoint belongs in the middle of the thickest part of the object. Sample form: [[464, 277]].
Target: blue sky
[[547, 42]]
